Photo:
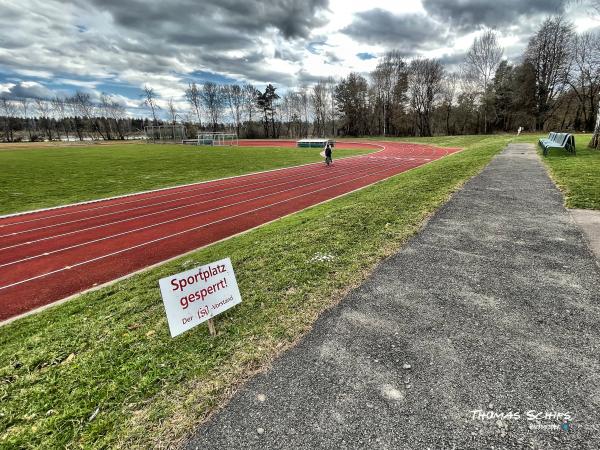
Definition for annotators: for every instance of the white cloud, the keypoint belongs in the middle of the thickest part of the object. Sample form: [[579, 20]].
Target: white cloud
[[6, 87], [84, 44]]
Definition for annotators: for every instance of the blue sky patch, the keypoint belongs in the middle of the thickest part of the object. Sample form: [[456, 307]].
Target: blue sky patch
[[315, 47], [202, 76], [366, 56]]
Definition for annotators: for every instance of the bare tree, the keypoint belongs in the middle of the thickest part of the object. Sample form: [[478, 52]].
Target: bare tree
[[192, 95], [594, 12], [249, 101], [24, 107], [332, 86], [481, 63], [380, 87], [548, 52], [72, 106], [468, 101], [584, 75], [390, 83], [250, 93], [117, 114], [44, 109], [104, 110], [448, 96], [172, 109], [150, 102], [595, 142], [319, 102], [60, 112], [8, 109], [213, 101], [303, 107], [287, 112], [425, 86], [292, 102], [85, 108], [352, 103], [234, 95]]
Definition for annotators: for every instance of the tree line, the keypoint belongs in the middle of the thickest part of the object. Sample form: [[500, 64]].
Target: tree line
[[73, 117], [555, 85]]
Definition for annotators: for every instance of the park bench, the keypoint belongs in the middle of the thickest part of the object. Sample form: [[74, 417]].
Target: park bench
[[558, 140]]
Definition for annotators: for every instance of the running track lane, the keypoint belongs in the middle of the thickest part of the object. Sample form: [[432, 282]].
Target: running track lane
[[48, 255]]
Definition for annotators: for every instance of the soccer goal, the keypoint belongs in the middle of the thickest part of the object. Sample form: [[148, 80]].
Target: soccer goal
[[214, 138], [165, 133]]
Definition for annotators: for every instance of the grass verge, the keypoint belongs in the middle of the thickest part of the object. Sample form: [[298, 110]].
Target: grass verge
[[467, 141], [577, 176], [101, 371], [41, 176]]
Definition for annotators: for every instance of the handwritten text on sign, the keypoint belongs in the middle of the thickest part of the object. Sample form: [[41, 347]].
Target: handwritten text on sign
[[199, 294]]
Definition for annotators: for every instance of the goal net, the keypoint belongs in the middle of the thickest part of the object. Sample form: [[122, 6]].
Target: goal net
[[165, 133], [214, 138]]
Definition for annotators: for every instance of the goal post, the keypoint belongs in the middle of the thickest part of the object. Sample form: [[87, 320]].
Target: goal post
[[214, 138]]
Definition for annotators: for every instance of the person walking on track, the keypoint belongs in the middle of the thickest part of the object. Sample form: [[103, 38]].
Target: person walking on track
[[328, 158]]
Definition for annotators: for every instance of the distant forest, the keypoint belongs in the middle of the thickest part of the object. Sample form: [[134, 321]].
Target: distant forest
[[554, 86]]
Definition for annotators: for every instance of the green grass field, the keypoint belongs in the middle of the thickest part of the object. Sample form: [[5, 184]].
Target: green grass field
[[449, 141], [578, 176], [42, 176], [101, 371]]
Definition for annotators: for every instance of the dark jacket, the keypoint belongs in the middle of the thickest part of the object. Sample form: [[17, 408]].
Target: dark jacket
[[328, 151]]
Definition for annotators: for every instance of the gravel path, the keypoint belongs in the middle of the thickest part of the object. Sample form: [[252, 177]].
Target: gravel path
[[488, 318]]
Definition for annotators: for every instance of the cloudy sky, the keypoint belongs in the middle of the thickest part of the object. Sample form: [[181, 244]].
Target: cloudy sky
[[53, 47]]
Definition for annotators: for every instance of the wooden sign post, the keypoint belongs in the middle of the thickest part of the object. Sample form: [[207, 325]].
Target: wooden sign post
[[211, 327]]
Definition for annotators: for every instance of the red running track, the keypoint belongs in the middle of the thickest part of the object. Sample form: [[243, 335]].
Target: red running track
[[51, 254]]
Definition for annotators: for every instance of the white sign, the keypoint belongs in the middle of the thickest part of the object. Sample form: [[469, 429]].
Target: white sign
[[199, 294]]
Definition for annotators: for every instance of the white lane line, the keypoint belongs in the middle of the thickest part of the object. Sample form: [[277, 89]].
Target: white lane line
[[179, 233], [138, 200], [188, 205], [93, 241], [30, 230], [196, 186], [146, 205]]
